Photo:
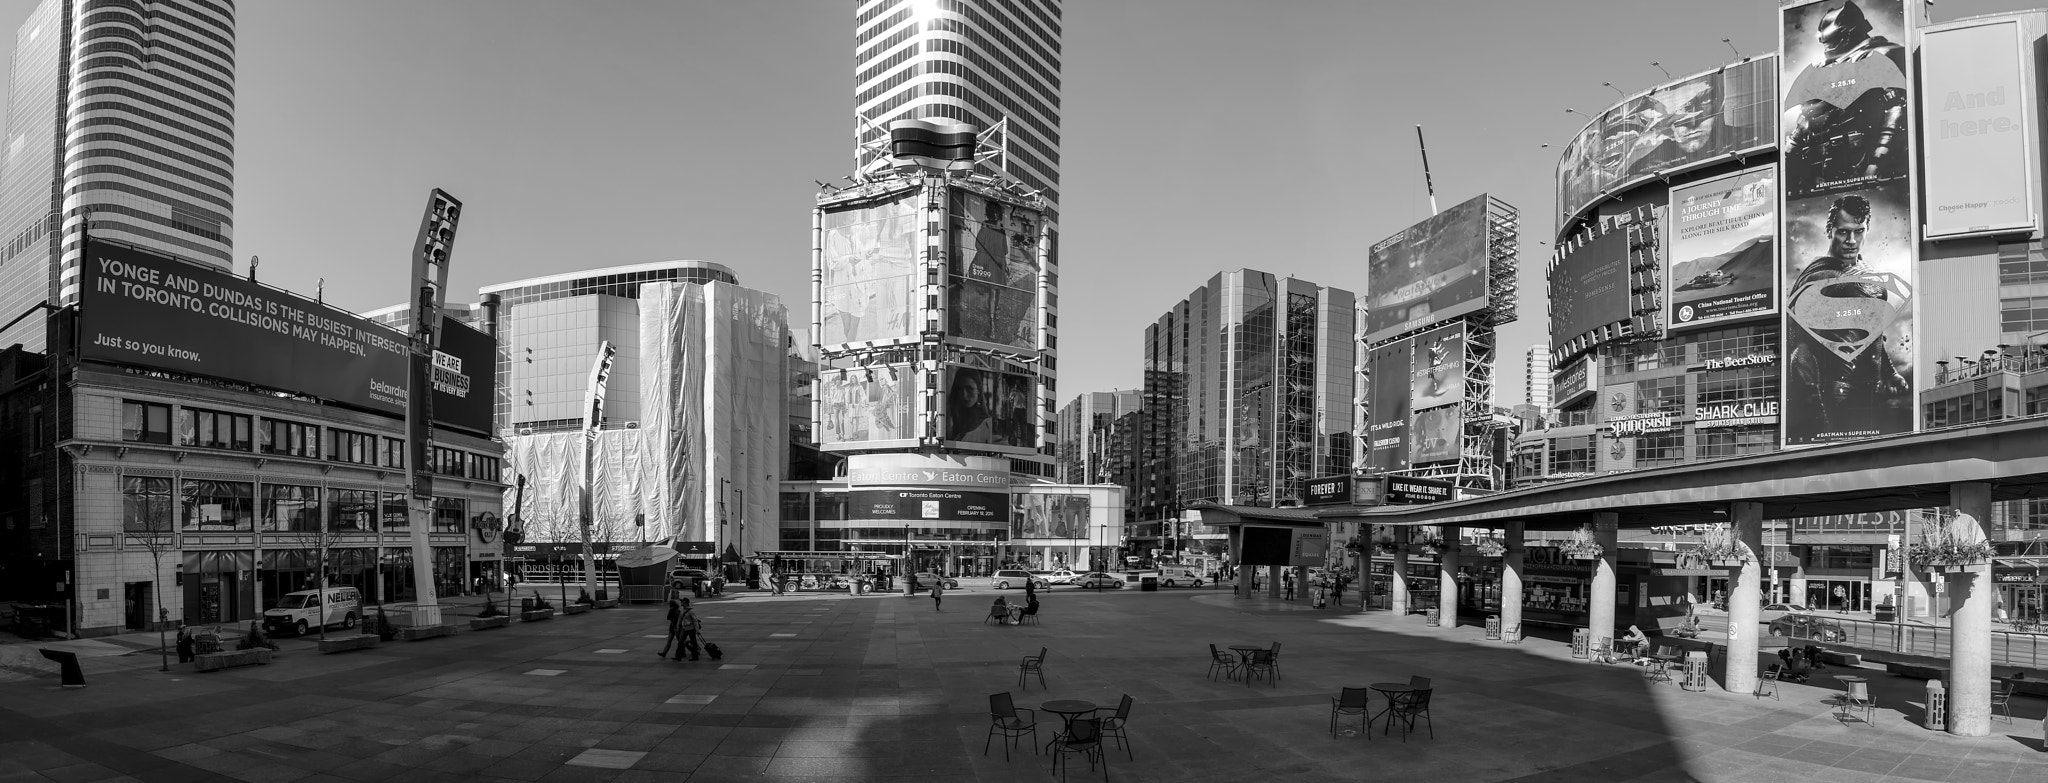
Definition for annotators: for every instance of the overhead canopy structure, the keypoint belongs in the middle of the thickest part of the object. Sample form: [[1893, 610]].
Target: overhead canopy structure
[[1912, 470]]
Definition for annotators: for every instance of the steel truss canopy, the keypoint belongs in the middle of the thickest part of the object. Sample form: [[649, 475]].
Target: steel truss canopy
[[1910, 470]]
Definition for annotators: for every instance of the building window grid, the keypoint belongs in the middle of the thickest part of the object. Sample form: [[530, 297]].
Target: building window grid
[[145, 422], [215, 429], [290, 439], [1736, 441], [1666, 448], [1740, 341], [1740, 385]]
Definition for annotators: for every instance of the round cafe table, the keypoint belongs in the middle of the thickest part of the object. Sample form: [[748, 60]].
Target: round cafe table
[[1068, 710], [1244, 658], [1391, 690]]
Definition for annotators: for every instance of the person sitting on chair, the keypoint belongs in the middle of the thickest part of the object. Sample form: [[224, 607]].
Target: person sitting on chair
[[1633, 644]]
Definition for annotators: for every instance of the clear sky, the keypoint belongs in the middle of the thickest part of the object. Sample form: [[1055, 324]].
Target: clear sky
[[1198, 136]]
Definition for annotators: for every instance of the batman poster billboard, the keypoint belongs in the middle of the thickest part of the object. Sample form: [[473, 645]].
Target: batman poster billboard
[[1848, 211]]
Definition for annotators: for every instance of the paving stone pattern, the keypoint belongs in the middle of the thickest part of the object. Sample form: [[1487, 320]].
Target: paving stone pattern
[[883, 688]]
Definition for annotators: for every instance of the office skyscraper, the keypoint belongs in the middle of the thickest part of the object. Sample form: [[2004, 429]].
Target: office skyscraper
[[1537, 366], [976, 61], [124, 113]]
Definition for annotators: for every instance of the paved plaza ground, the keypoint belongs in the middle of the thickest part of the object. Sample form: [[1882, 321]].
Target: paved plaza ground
[[838, 688]]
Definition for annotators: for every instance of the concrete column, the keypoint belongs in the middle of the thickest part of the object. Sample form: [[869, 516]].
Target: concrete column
[[1447, 577], [1970, 594], [1273, 575], [1600, 605], [1744, 594], [1397, 586], [1511, 577]]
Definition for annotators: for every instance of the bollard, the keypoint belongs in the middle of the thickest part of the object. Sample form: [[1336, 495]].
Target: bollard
[[1579, 642], [1493, 626], [1937, 706], [1433, 618]]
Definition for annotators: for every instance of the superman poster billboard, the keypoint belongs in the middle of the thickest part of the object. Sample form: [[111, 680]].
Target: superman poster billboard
[[1847, 185]]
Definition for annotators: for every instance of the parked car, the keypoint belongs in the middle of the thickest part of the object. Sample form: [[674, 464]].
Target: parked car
[[1774, 611], [304, 611], [1806, 626], [1008, 578], [681, 578], [1175, 576], [1057, 576], [1098, 579], [925, 579]]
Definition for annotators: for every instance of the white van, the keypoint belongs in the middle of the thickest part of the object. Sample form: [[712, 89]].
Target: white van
[[1176, 575], [304, 610]]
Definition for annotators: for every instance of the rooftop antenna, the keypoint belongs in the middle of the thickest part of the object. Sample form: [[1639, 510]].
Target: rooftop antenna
[[1426, 181]]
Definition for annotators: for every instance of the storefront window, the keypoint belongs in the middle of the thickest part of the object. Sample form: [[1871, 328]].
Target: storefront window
[[288, 508], [220, 587], [450, 570], [397, 515], [219, 505], [352, 510], [145, 504], [448, 514]]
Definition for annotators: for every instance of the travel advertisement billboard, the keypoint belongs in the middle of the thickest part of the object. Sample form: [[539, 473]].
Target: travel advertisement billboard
[[1724, 249], [1849, 221], [1976, 122], [1387, 434], [1050, 516], [1435, 434], [991, 408], [935, 505], [867, 271], [992, 288], [146, 310], [1589, 285], [1432, 271], [1439, 377], [865, 406], [1673, 126]]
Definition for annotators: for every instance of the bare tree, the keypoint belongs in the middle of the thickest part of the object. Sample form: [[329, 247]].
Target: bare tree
[[312, 531], [149, 524]]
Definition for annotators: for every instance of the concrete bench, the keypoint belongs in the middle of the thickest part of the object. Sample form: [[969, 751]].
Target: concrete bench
[[414, 633], [335, 644], [608, 603], [536, 615], [575, 608], [216, 661], [480, 623]]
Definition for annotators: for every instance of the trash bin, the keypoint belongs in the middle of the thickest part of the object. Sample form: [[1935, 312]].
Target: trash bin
[[1434, 618], [1579, 642], [1148, 584], [1937, 706], [1886, 614], [1493, 626], [1695, 671]]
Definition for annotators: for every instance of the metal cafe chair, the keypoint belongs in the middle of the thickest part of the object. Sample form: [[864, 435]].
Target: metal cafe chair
[[1011, 721], [1276, 661], [1858, 698], [1221, 660], [1419, 682], [1406, 707], [1085, 739], [1768, 682], [1032, 664], [2001, 700], [1351, 702], [1113, 726], [1261, 661]]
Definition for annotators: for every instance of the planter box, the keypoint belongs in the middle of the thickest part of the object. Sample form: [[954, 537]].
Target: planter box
[[1725, 563], [480, 623], [345, 643], [608, 603], [414, 633], [536, 615], [223, 660], [575, 608]]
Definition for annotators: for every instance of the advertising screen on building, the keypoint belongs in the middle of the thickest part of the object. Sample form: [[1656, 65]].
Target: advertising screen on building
[[1434, 435], [1050, 516], [1724, 249], [1589, 286], [927, 470], [1977, 115], [1849, 231], [1439, 377], [867, 271], [990, 408], [149, 311], [1327, 491], [1432, 271], [866, 405], [1391, 365], [1402, 490], [992, 288], [1687, 122], [1576, 380], [934, 505]]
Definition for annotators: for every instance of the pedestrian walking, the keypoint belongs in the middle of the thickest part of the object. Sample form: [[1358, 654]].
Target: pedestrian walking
[[1337, 590], [1287, 587], [674, 637], [1322, 597], [938, 589], [184, 644], [690, 631]]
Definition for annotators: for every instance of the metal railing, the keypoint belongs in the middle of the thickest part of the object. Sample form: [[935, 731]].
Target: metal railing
[[2008, 648]]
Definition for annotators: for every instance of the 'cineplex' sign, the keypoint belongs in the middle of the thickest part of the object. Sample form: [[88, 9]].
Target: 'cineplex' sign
[[1735, 414]]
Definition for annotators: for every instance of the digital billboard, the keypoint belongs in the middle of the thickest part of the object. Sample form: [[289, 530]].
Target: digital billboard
[[865, 405], [1050, 516], [1724, 249], [1439, 377], [146, 310], [990, 407], [1673, 126], [992, 286], [936, 505], [1589, 282], [1432, 271], [868, 266], [1435, 434], [1845, 152], [1387, 440], [1977, 115]]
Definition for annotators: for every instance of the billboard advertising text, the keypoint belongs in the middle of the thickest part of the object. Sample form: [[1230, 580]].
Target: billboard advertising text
[[989, 407], [939, 505], [1673, 126], [992, 290], [1432, 271], [867, 272], [1976, 113], [927, 470], [1439, 377], [1849, 233], [1724, 249], [865, 405], [1387, 434], [1589, 285], [146, 310], [1434, 435], [1050, 516]]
